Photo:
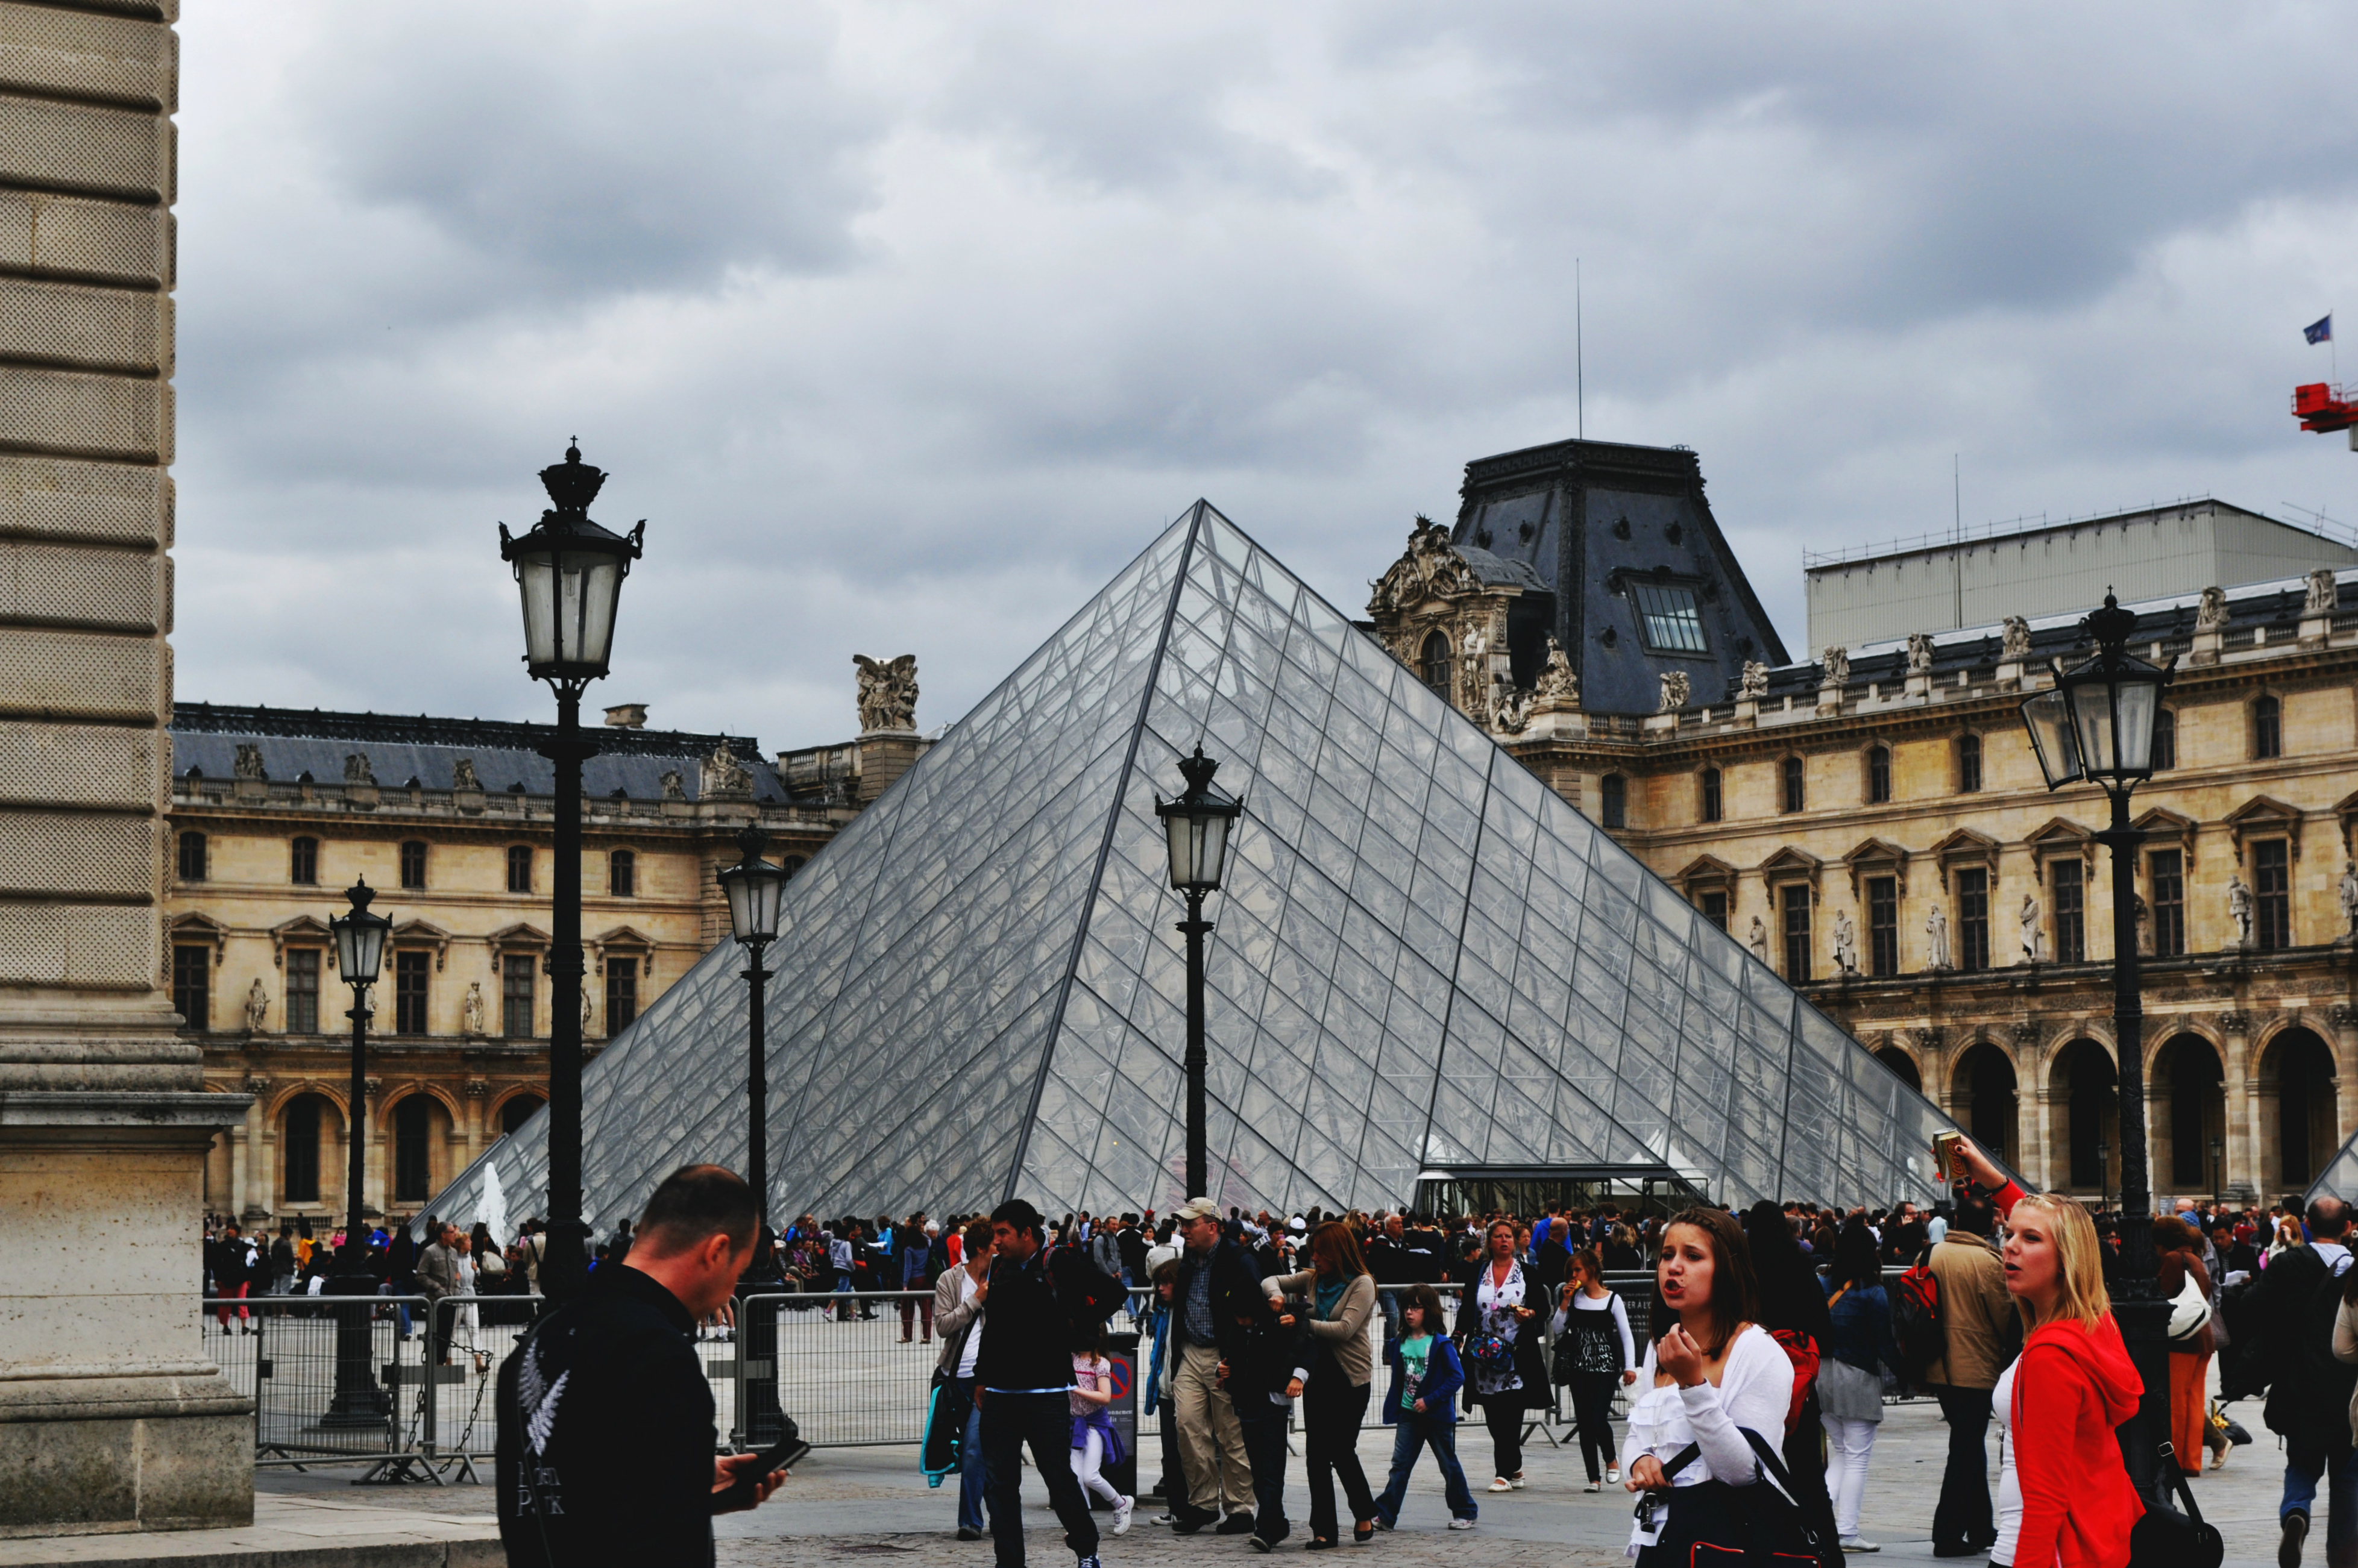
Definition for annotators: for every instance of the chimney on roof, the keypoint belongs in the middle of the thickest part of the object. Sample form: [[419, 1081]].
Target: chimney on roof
[[627, 716]]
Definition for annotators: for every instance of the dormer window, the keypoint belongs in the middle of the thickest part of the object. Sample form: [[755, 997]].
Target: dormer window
[[1669, 617]]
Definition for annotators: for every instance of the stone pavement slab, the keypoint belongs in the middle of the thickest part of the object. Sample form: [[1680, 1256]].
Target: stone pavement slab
[[308, 1529]]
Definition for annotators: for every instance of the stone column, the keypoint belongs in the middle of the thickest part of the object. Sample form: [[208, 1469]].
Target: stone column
[[112, 1415], [238, 1204], [2344, 1019], [472, 1129], [376, 1183], [2242, 1131], [261, 1155], [884, 756]]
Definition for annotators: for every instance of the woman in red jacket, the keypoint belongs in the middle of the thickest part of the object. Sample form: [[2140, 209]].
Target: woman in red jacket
[[2070, 1388]]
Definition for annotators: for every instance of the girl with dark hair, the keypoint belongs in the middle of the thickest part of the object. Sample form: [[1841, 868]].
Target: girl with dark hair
[[1341, 1366], [1421, 1404], [1850, 1377], [1603, 1356], [1793, 1311], [1710, 1375], [1498, 1336]]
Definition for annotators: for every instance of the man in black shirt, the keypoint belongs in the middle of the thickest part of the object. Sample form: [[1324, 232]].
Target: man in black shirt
[[1023, 1376], [605, 1440]]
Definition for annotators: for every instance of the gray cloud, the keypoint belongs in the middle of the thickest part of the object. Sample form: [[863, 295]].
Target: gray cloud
[[905, 326]]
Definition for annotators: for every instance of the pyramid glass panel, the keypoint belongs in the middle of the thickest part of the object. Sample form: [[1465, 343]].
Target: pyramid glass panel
[[1422, 958]]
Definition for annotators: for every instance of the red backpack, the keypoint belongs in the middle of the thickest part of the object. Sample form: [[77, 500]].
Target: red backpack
[[1915, 1321]]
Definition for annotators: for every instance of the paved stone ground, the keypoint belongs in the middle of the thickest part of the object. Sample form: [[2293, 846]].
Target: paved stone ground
[[870, 1502]]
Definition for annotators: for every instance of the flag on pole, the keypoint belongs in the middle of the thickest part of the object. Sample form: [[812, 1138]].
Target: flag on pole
[[2320, 330]]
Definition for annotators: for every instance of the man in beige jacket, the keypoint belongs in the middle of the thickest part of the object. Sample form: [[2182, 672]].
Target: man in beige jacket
[[1975, 1316]]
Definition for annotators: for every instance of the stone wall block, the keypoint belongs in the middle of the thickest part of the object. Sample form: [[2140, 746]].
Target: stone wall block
[[68, 585], [86, 148], [79, 414], [86, 325], [80, 765], [128, 503], [117, 240], [48, 852], [64, 675], [75, 54]]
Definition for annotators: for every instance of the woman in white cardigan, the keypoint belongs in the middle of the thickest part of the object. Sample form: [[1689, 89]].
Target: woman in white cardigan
[[1710, 1375]]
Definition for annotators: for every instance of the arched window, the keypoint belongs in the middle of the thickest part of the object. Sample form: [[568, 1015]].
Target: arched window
[[623, 874], [518, 1111], [2165, 739], [413, 864], [1969, 764], [519, 867], [1711, 807], [1435, 660], [1878, 774], [303, 868], [192, 856], [299, 1149], [790, 865], [2267, 727], [413, 1173], [1795, 794], [1615, 801]]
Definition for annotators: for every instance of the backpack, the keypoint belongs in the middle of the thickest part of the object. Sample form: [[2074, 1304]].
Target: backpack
[[1921, 1331]]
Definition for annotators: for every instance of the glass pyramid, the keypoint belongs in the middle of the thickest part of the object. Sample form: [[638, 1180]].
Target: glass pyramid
[[1422, 956], [2341, 1178]]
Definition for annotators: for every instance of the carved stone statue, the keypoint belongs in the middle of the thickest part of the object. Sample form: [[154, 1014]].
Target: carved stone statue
[[2014, 642], [470, 1009], [1919, 653], [673, 787], [258, 1007], [462, 774], [1757, 940], [585, 1010], [723, 775], [1754, 686], [2324, 592], [2211, 614], [2348, 890], [1474, 674], [249, 761], [1676, 691], [1429, 569], [356, 769], [1558, 688], [1514, 709], [888, 692], [1837, 663], [2034, 936], [1845, 943], [2143, 918], [2239, 909], [1936, 937]]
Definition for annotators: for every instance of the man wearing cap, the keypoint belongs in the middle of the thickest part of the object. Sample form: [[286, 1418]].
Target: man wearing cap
[[1217, 1288]]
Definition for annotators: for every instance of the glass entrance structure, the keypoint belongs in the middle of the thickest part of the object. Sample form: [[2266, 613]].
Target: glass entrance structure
[[1424, 959]]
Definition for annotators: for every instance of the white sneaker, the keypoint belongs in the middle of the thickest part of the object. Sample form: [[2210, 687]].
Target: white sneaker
[[1613, 1475], [1461, 1524], [1516, 1480], [1122, 1515], [1858, 1544], [1594, 1486], [1502, 1485]]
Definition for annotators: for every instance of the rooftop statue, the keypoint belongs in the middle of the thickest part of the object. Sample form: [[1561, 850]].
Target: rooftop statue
[[888, 692], [1428, 569]]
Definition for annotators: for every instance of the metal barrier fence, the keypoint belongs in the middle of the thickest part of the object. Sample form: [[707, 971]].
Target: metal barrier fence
[[357, 1379]]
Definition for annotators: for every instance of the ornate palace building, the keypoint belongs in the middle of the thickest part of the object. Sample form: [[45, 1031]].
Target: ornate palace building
[[275, 812], [1871, 822]]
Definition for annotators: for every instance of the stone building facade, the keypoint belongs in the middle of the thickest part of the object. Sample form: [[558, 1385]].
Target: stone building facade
[[1873, 824], [274, 813]]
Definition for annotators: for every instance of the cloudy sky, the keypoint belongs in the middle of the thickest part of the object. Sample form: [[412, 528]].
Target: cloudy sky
[[904, 326]]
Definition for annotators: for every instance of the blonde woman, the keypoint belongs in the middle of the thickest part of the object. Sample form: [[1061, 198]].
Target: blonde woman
[[2063, 1399]]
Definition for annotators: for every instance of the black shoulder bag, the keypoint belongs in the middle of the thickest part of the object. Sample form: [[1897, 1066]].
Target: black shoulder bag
[[1716, 1525], [2164, 1538]]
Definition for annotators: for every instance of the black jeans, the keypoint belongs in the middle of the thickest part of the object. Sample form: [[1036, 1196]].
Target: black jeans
[[1332, 1408], [1962, 1518], [1265, 1433], [1591, 1409], [1503, 1414], [1046, 1422]]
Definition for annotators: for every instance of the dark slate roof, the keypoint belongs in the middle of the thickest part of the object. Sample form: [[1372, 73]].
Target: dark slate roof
[[2275, 605], [1502, 570], [205, 737]]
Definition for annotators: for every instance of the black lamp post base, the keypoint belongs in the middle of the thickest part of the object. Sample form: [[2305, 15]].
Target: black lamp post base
[[360, 1400], [2144, 1321]]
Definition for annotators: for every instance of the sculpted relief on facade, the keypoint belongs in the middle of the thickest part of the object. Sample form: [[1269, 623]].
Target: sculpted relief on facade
[[888, 692]]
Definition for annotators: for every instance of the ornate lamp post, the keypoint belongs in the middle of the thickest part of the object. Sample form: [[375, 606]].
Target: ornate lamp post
[[1197, 826], [360, 953], [755, 888], [2095, 726], [570, 573]]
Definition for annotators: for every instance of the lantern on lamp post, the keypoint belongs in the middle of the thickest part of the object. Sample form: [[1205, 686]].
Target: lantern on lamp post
[[1196, 828], [360, 937]]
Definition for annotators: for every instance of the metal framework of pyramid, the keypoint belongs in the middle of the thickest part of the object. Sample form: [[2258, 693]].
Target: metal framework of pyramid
[[1422, 957]]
